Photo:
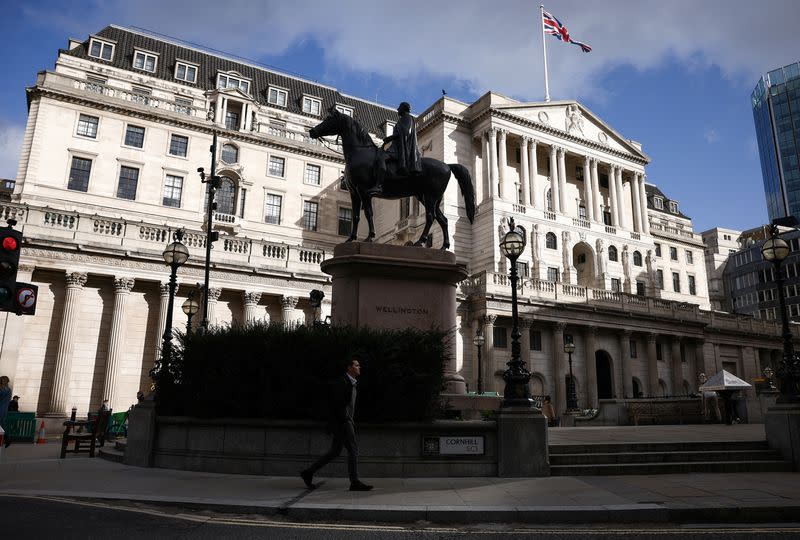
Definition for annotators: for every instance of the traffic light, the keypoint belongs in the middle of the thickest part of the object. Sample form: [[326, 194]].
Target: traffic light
[[10, 244]]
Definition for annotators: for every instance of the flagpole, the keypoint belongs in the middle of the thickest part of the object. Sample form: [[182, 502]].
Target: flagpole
[[544, 52]]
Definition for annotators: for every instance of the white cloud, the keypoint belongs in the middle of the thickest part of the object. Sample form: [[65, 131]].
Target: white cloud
[[10, 146], [711, 135], [485, 45]]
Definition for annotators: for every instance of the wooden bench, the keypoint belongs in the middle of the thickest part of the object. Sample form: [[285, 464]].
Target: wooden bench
[[93, 431]]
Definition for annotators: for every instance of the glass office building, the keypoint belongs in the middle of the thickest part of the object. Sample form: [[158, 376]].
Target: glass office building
[[776, 112]]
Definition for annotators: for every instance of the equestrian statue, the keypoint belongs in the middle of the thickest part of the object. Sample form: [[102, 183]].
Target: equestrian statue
[[396, 173]]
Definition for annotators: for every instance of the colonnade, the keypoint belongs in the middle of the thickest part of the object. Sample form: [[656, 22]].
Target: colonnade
[[494, 147]]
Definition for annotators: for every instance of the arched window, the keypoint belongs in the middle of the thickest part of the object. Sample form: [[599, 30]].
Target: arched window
[[226, 197], [612, 253], [550, 241], [637, 258], [230, 154]]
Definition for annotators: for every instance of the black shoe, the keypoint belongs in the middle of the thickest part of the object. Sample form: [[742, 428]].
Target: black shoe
[[359, 486], [307, 478]]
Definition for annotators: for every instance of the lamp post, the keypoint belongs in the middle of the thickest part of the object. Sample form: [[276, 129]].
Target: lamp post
[[572, 398], [190, 307], [516, 393], [478, 341], [175, 255], [775, 250], [214, 182]]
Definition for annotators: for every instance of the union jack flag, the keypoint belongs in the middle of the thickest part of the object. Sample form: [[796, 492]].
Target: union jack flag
[[554, 27]]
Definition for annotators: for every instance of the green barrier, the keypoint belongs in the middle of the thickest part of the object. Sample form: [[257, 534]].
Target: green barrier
[[21, 426]]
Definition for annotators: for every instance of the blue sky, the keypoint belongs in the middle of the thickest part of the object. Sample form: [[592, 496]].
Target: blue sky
[[675, 76]]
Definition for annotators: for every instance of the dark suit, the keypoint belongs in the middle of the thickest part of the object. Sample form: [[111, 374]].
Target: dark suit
[[341, 398]]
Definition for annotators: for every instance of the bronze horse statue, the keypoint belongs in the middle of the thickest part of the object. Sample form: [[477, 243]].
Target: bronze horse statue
[[361, 156]]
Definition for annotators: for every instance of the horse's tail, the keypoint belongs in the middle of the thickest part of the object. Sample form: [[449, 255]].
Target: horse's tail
[[467, 190]]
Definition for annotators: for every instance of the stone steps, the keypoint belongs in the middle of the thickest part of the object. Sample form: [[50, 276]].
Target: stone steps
[[590, 448], [115, 453], [616, 469], [663, 457]]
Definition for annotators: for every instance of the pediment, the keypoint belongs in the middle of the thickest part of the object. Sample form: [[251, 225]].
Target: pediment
[[575, 120], [230, 92]]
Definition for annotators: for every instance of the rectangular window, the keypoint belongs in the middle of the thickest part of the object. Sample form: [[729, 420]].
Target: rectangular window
[[276, 96], [311, 106], [552, 274], [579, 173], [673, 253], [310, 214], [676, 282], [227, 81], [79, 174], [345, 221], [500, 336], [185, 72], [231, 120], [659, 353], [272, 210], [405, 207], [242, 201], [134, 136], [692, 289], [87, 126], [658, 202], [673, 207], [615, 284], [582, 212], [173, 189], [535, 339], [101, 49], [178, 145], [640, 288], [607, 218], [658, 249], [345, 110], [522, 269], [276, 166], [388, 128], [689, 257], [312, 174], [634, 352], [145, 61], [128, 179], [660, 279]]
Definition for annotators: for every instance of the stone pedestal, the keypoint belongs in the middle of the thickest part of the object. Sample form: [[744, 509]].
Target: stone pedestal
[[396, 287], [141, 434], [522, 443], [782, 425]]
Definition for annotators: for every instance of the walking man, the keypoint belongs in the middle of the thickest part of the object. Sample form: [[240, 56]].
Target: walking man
[[342, 409]]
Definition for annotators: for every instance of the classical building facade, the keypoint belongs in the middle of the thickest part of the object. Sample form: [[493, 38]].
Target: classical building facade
[[118, 128]]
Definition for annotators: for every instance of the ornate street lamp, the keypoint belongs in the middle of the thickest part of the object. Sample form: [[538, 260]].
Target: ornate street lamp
[[516, 393], [190, 308], [572, 398], [478, 341], [775, 250], [175, 255]]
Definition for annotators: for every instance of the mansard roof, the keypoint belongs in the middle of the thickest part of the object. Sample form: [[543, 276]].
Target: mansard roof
[[371, 115], [653, 191]]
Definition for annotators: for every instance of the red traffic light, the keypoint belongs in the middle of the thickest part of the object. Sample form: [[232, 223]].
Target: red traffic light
[[10, 243]]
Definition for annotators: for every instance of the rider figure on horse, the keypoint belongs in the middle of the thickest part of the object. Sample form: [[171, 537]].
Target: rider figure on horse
[[403, 152]]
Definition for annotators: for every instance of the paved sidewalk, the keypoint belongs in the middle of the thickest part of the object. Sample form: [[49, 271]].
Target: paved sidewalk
[[684, 498]]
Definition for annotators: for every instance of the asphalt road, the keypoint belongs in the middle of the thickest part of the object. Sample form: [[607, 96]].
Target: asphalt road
[[47, 517]]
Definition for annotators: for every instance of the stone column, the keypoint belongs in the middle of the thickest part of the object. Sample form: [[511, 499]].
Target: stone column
[[219, 118], [224, 112], [612, 195], [559, 369], [163, 290], [250, 300], [245, 120], [677, 367], [487, 166], [652, 364], [587, 190], [489, 384], [625, 356], [590, 335], [524, 170], [116, 347], [213, 296], [533, 163], [596, 198], [288, 303], [59, 393], [494, 176], [699, 362], [643, 197], [622, 210], [637, 214], [554, 197], [502, 162], [562, 180]]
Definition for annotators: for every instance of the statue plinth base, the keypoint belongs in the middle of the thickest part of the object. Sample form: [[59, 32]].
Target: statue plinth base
[[392, 287]]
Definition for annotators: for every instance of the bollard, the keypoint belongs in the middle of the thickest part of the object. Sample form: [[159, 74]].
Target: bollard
[[74, 414]]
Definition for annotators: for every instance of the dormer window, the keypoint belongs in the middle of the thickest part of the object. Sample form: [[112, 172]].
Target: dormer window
[[101, 49], [658, 203], [388, 128], [345, 110], [185, 72], [673, 207], [145, 61], [277, 96], [311, 105], [231, 81]]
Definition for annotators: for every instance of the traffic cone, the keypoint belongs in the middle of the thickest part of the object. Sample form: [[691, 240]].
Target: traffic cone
[[41, 439]]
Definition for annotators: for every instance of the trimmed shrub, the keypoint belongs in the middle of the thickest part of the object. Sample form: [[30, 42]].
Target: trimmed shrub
[[268, 371]]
